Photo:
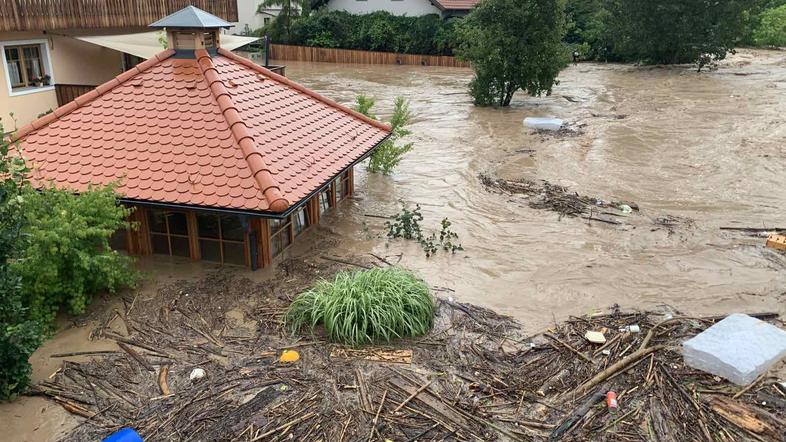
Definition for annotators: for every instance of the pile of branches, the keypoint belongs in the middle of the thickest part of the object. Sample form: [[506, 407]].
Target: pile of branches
[[545, 195], [474, 377]]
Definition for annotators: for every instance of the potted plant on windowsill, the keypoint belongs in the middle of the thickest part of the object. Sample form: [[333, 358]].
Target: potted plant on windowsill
[[46, 80], [37, 82]]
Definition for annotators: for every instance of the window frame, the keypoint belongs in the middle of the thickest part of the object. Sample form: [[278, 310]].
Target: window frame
[[284, 229], [342, 182], [46, 63], [168, 234], [327, 192], [220, 240]]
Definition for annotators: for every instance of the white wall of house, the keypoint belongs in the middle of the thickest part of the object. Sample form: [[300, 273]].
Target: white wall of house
[[411, 8], [248, 18]]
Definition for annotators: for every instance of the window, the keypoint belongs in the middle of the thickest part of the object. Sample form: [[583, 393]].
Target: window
[[266, 21], [300, 221], [279, 235], [169, 233], [325, 199], [342, 186], [222, 238], [27, 66]]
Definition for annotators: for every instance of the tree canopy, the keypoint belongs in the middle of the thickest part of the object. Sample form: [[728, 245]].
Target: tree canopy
[[512, 45]]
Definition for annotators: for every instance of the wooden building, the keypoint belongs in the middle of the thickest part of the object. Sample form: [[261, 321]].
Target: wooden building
[[222, 159]]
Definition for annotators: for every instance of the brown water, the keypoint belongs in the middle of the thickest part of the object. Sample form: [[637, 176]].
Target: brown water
[[710, 147]]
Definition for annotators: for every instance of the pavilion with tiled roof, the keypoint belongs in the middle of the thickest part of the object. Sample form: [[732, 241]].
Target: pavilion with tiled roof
[[222, 159]]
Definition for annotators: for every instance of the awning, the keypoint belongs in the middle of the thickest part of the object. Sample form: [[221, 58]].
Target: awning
[[147, 44]]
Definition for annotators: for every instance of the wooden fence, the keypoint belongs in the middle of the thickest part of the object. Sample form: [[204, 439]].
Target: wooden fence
[[36, 15], [331, 55]]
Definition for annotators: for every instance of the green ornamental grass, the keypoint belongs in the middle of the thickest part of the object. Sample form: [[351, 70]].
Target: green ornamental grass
[[365, 307]]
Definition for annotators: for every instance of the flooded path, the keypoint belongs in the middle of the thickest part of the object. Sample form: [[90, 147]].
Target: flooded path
[[707, 147]]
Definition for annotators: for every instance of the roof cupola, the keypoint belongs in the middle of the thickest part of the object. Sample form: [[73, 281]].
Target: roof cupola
[[190, 29]]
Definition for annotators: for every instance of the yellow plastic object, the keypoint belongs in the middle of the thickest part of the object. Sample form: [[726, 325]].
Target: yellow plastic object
[[289, 356]]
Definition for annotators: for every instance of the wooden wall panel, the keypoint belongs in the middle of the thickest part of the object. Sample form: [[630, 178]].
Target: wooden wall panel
[[333, 55]]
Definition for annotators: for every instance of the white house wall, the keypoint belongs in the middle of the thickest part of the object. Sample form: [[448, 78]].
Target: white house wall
[[412, 8], [247, 16]]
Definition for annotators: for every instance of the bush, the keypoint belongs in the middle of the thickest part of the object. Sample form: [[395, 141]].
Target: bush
[[771, 30], [365, 307], [19, 336], [386, 157], [67, 258], [378, 31]]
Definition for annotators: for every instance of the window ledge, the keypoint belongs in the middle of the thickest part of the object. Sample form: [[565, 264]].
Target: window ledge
[[30, 90]]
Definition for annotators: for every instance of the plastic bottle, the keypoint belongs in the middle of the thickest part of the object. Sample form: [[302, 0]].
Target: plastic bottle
[[611, 401]]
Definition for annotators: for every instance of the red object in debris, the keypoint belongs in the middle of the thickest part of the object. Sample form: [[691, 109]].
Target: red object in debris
[[611, 401]]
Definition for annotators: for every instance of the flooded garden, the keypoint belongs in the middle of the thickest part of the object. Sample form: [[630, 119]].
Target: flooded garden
[[689, 153]]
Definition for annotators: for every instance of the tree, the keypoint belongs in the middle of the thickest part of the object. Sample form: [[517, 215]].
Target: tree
[[677, 31], [512, 45], [19, 336], [387, 156], [290, 11], [771, 30]]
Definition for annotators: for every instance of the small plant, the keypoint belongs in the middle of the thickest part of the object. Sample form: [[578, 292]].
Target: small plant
[[406, 225], [46, 79], [389, 154], [365, 307]]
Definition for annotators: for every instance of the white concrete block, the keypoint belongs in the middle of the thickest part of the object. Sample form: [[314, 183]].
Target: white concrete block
[[738, 348]]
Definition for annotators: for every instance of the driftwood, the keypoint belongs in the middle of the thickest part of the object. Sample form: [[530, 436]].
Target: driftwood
[[756, 421], [577, 414]]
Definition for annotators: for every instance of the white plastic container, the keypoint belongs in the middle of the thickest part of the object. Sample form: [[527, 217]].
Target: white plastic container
[[543, 123]]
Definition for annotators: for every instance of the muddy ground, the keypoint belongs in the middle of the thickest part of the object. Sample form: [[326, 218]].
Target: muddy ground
[[705, 150]]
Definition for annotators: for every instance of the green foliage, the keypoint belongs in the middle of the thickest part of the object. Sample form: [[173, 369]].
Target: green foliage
[[676, 31], [378, 31], [389, 154], [587, 29], [19, 336], [512, 45], [771, 30], [365, 307], [67, 258], [290, 11], [406, 225]]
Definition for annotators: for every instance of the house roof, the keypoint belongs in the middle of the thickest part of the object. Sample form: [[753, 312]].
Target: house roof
[[212, 131], [191, 17], [455, 5]]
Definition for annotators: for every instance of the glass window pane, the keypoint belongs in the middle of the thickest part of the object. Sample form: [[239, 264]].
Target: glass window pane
[[14, 66], [210, 250], [207, 226], [178, 223], [157, 221], [324, 201], [234, 253], [300, 221], [279, 242], [339, 190], [231, 228], [160, 244], [180, 246]]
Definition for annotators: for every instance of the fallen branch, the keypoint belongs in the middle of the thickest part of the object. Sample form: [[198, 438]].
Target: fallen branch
[[162, 380]]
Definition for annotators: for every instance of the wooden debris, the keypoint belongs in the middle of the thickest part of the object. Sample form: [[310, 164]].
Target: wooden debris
[[754, 420], [398, 356], [162, 380]]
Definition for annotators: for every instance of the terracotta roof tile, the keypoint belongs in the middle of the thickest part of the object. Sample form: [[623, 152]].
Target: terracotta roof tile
[[455, 5], [217, 131]]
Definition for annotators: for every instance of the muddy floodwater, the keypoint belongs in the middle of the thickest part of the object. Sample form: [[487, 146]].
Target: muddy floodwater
[[704, 150], [708, 149]]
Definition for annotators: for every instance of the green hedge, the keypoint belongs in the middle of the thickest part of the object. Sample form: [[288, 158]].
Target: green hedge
[[379, 31]]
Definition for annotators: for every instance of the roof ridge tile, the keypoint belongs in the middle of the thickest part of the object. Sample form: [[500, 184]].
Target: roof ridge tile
[[83, 99], [282, 79], [256, 162]]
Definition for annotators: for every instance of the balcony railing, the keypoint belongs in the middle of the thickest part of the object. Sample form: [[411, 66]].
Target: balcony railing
[[36, 15]]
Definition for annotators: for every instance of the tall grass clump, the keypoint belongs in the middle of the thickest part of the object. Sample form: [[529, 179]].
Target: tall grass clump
[[365, 307]]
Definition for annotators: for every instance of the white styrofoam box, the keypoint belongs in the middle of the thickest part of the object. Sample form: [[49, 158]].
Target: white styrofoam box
[[543, 123], [738, 348]]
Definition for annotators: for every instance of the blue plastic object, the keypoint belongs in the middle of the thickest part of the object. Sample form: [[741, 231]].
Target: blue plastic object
[[124, 435]]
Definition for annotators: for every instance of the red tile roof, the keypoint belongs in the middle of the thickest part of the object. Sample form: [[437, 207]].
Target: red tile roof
[[455, 5], [215, 131]]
